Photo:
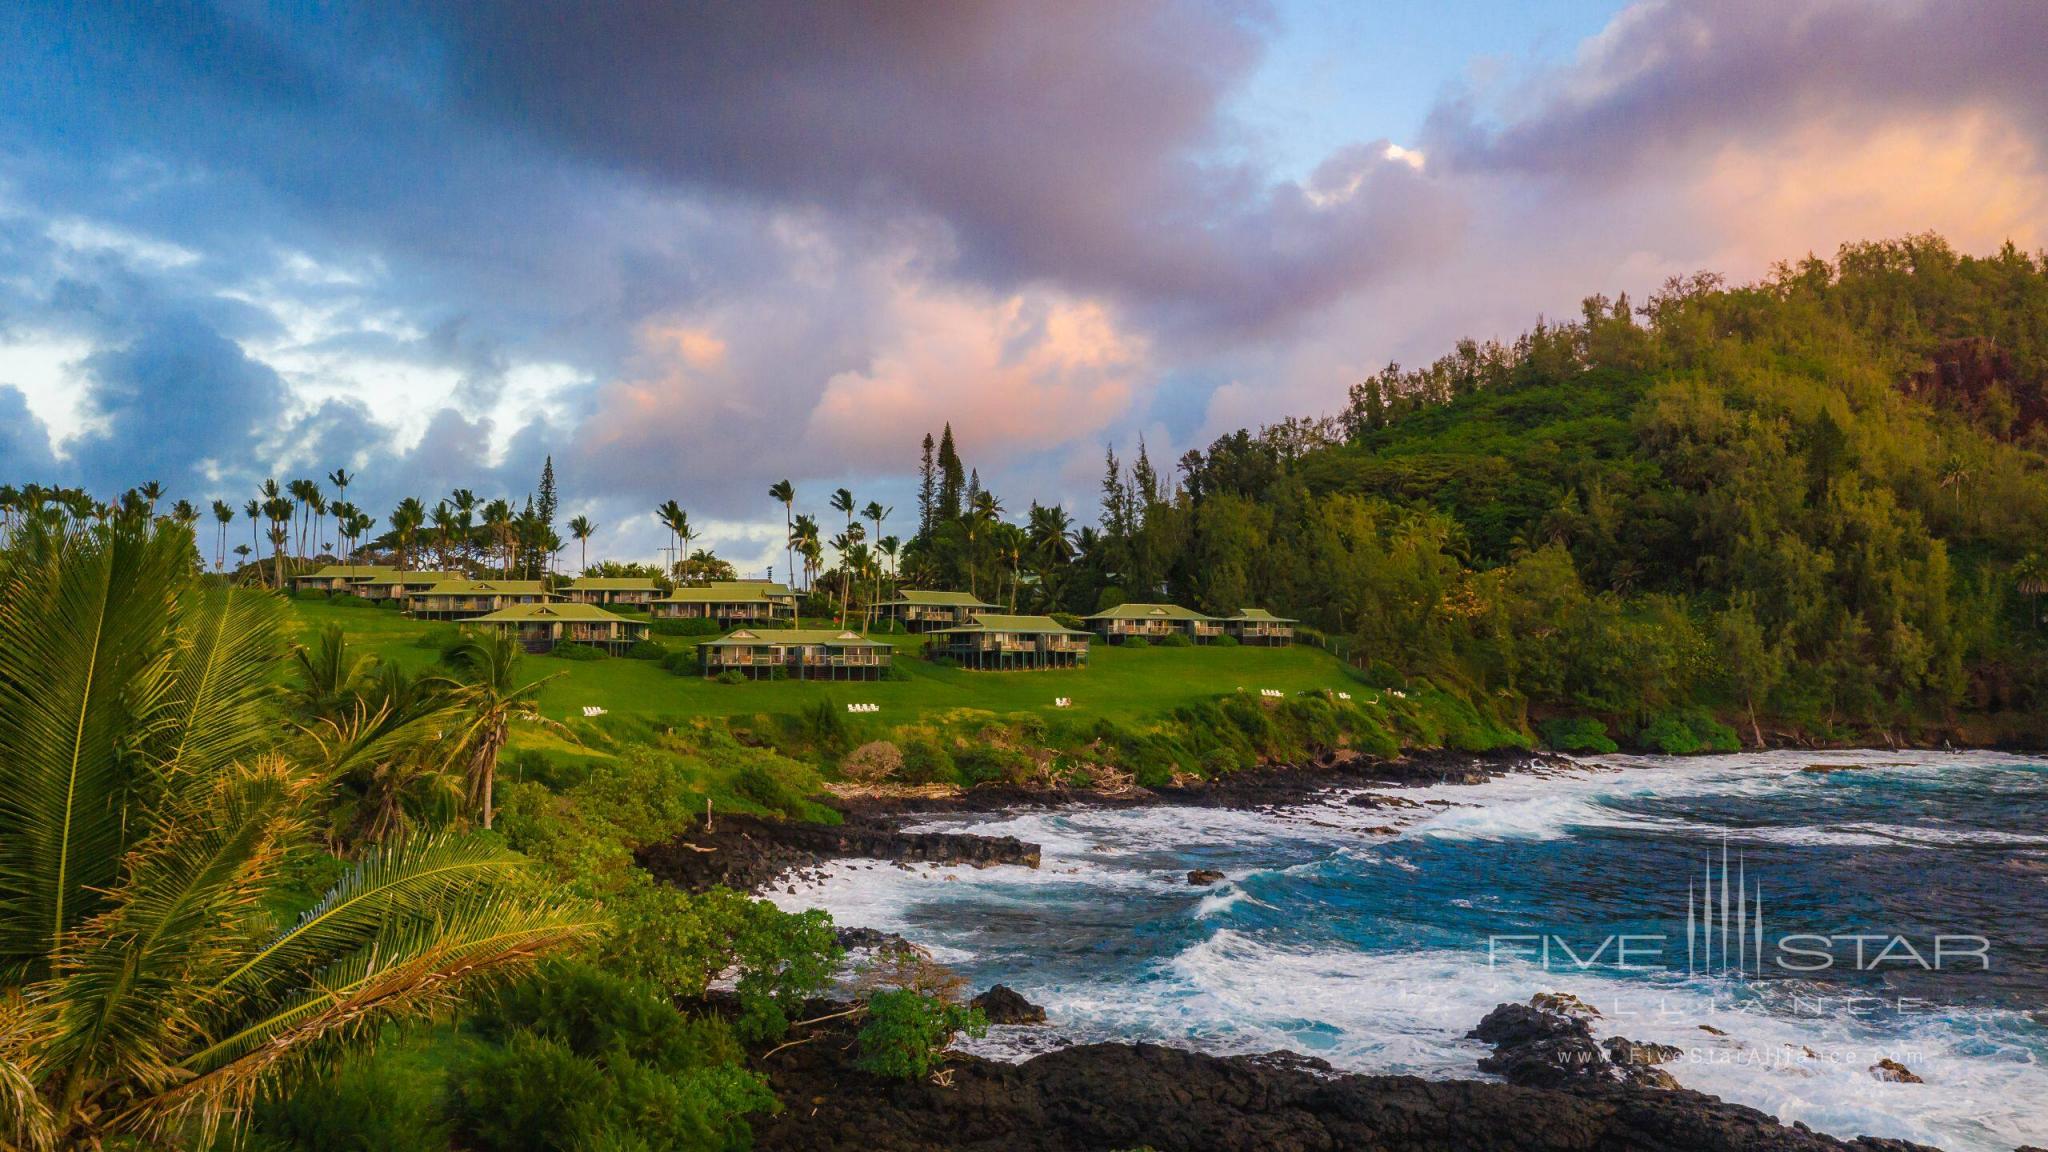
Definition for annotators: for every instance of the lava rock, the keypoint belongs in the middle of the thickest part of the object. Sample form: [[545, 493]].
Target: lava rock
[[1539, 1047], [1002, 1004], [1204, 876], [1892, 1072]]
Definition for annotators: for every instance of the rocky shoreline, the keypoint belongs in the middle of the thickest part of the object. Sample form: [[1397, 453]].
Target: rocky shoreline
[[1098, 1097], [1563, 1090]]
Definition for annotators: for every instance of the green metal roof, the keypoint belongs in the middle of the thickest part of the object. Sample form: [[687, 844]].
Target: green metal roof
[[1260, 616], [1149, 612], [567, 613], [922, 599], [792, 638], [996, 622], [488, 587], [720, 594], [347, 571], [392, 576], [615, 584]]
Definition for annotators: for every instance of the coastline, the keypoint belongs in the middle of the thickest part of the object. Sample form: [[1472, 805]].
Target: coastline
[[1133, 1094]]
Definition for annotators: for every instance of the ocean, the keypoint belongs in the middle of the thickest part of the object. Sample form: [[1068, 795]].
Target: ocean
[[1786, 927]]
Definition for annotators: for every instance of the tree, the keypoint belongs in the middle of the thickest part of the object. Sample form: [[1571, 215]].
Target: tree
[[2030, 579], [545, 502], [146, 821], [341, 478], [876, 513], [406, 520], [223, 514], [671, 516], [582, 529], [952, 477], [842, 503], [927, 490], [784, 493], [491, 698]]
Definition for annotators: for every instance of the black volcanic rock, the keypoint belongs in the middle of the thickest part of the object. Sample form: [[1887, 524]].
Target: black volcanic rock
[[1002, 1004], [1201, 877], [1536, 1046]]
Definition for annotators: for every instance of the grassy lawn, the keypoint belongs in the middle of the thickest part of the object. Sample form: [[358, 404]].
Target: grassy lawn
[[1118, 682]]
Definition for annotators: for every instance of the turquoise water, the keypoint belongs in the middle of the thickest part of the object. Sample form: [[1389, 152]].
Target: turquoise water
[[1375, 938]]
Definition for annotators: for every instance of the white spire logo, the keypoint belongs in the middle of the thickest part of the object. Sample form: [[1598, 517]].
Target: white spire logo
[[1724, 922]]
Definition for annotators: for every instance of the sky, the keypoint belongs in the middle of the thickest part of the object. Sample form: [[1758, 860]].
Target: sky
[[688, 250]]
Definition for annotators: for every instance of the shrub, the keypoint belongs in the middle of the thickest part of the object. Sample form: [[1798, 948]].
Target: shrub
[[906, 1032], [824, 726], [584, 1059], [872, 763], [1136, 642], [537, 766], [1174, 640], [350, 600], [943, 661], [1685, 732], [926, 762], [568, 650], [369, 1102], [1577, 734], [682, 662], [1223, 641], [732, 676], [391, 602], [646, 650], [1070, 620], [990, 764]]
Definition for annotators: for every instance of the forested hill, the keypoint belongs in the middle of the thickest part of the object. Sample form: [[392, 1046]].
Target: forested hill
[[1817, 502]]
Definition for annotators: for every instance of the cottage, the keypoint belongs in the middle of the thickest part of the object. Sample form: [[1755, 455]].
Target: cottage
[[800, 654], [995, 642], [930, 611], [1259, 627], [1152, 621], [540, 627], [612, 591], [728, 602], [334, 578], [400, 585], [468, 599]]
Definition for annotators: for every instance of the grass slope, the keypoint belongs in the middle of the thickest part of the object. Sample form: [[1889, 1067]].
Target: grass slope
[[1118, 683]]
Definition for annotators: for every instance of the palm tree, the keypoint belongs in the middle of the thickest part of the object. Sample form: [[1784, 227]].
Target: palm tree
[[307, 493], [681, 527], [490, 698], [465, 504], [254, 511], [223, 515], [876, 513], [985, 510], [279, 512], [152, 492], [497, 517], [2030, 579], [842, 503], [803, 537], [147, 997], [341, 479], [406, 520], [582, 529], [671, 515], [784, 493]]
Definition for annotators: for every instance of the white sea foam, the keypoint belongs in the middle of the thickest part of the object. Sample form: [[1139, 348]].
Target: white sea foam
[[1232, 990]]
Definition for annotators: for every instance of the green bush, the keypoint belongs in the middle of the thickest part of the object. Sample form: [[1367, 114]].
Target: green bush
[[990, 764], [940, 660], [731, 676], [391, 602], [1577, 734], [537, 766], [1686, 732], [1174, 640], [681, 662], [1136, 642], [906, 1033], [368, 1102], [646, 650], [578, 1058], [927, 762], [1070, 620], [1224, 641], [761, 786], [350, 600], [569, 650]]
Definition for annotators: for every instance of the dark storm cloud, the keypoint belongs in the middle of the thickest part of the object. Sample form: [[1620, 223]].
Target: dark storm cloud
[[178, 394], [1673, 78], [1077, 141]]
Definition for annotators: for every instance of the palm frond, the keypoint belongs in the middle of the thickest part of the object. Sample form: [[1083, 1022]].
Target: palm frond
[[178, 917], [408, 971], [215, 711], [397, 882], [25, 1033], [85, 653]]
